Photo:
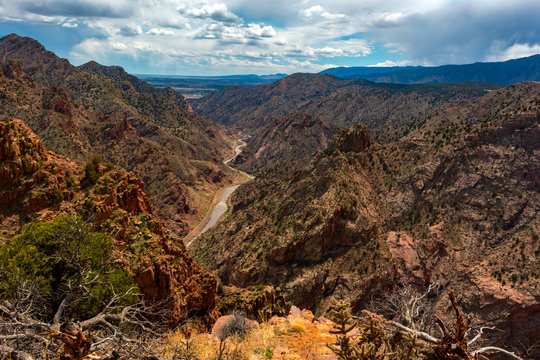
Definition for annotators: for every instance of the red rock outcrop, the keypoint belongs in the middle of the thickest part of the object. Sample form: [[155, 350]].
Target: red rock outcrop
[[38, 183], [256, 302], [13, 70], [455, 203], [355, 138]]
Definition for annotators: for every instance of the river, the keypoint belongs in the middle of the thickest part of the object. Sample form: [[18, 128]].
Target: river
[[218, 208]]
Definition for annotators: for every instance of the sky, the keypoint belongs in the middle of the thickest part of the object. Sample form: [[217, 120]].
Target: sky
[[223, 37]]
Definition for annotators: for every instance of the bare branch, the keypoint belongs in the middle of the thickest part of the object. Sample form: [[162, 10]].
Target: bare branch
[[421, 335], [494, 348], [479, 335]]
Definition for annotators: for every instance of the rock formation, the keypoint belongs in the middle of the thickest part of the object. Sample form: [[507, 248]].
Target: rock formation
[[36, 183], [454, 203], [94, 109]]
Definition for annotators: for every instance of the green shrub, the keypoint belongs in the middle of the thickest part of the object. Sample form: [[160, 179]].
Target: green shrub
[[268, 353], [220, 289], [70, 181], [91, 175], [58, 195], [54, 254]]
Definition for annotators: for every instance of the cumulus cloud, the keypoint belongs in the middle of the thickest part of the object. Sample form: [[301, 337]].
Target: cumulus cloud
[[318, 11], [234, 33], [89, 49], [118, 46], [71, 23], [284, 35], [513, 52], [256, 31], [130, 30], [217, 12], [390, 63], [162, 32]]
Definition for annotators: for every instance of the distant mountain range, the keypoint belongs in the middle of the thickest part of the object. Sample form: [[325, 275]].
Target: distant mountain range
[[384, 108], [198, 86], [503, 73]]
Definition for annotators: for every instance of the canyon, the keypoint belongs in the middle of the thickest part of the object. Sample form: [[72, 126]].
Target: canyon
[[302, 192]]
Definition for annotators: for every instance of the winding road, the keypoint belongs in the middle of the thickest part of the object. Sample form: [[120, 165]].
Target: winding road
[[219, 204]]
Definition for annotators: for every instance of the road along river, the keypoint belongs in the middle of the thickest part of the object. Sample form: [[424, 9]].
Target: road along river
[[219, 204]]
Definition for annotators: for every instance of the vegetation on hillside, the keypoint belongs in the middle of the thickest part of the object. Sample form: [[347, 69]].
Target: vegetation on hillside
[[79, 111], [452, 202], [384, 108]]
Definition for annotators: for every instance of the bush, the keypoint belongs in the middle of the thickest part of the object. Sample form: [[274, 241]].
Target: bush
[[55, 255], [91, 174], [220, 289], [58, 195], [298, 325], [268, 353], [70, 181], [237, 326]]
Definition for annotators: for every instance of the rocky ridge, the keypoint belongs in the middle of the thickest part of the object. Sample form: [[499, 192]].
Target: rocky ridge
[[455, 203], [284, 141], [39, 184], [78, 111], [387, 109]]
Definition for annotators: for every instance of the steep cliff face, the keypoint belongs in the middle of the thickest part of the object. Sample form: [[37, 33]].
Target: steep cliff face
[[455, 203], [301, 231], [284, 141], [39, 184], [96, 109]]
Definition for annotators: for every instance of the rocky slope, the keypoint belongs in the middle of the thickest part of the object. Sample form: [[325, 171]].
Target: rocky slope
[[455, 203], [284, 141], [77, 111], [384, 108], [39, 184]]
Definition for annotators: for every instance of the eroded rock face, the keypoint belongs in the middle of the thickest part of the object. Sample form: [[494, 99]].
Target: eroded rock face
[[355, 139], [39, 183], [20, 151], [455, 204], [256, 302], [286, 141], [13, 70], [79, 111]]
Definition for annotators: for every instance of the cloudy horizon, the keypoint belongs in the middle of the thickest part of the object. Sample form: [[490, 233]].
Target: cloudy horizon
[[207, 37]]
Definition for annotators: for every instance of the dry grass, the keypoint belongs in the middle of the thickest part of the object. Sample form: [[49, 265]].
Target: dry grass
[[280, 338], [298, 325]]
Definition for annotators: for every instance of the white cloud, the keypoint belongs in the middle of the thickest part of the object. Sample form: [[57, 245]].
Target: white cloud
[[318, 11], [89, 49], [390, 63], [217, 12], [162, 32], [515, 51], [118, 46], [309, 12], [234, 33], [71, 23], [280, 41], [258, 31]]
